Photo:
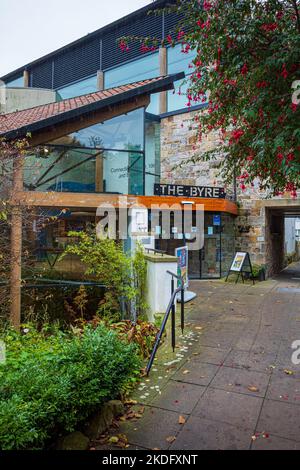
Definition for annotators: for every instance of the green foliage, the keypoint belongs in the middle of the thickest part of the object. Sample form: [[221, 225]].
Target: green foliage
[[139, 273], [52, 381], [257, 269], [123, 276]]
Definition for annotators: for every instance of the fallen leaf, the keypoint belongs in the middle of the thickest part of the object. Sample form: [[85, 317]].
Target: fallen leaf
[[288, 372], [171, 439], [181, 420], [186, 372], [252, 388], [113, 440], [130, 402], [199, 328]]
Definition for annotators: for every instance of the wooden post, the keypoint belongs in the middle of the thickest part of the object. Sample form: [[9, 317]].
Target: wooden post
[[100, 80], [163, 70], [99, 174], [16, 247], [26, 78]]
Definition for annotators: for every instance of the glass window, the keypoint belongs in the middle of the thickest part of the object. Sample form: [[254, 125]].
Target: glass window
[[141, 69], [125, 132], [177, 98], [178, 61], [89, 85], [106, 157], [152, 164], [18, 82]]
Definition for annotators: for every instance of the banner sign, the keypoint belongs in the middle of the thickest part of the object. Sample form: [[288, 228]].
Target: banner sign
[[189, 191], [182, 266], [241, 264]]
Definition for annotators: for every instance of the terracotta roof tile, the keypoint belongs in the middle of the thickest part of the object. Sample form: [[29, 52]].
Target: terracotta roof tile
[[13, 122]]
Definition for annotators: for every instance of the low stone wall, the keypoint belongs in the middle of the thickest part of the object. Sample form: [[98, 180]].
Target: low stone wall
[[97, 425]]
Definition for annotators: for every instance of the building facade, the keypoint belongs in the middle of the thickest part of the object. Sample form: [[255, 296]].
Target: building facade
[[132, 152]]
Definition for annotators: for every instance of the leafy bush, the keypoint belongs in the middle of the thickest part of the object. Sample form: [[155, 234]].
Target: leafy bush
[[53, 381], [123, 275]]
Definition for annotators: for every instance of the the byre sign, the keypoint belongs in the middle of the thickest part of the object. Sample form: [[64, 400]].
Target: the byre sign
[[189, 191]]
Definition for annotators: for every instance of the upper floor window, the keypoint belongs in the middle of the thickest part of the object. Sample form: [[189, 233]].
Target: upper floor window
[[88, 85], [18, 83], [137, 70]]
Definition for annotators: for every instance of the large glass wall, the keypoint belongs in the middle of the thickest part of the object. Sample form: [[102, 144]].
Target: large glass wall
[[141, 69], [104, 158], [89, 85], [179, 62]]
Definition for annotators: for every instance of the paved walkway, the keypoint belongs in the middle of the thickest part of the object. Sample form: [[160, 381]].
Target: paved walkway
[[231, 383]]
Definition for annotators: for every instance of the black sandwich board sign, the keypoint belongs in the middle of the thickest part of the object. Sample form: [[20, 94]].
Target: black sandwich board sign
[[241, 264]]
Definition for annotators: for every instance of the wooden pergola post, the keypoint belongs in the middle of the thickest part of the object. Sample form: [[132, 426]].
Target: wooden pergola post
[[16, 245]]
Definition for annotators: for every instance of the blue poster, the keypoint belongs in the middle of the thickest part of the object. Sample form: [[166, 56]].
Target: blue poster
[[217, 220]]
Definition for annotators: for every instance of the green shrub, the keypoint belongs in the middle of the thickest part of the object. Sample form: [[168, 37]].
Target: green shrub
[[52, 382]]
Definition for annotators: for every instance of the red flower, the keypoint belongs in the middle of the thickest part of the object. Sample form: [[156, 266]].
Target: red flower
[[284, 72], [244, 69]]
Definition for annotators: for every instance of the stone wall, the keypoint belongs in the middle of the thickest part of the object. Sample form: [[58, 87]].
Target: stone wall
[[252, 226], [178, 138]]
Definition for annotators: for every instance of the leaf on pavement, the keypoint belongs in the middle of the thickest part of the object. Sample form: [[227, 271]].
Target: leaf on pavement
[[171, 439], [181, 420]]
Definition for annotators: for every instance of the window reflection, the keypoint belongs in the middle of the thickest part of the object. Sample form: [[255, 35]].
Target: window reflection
[[141, 69], [105, 158], [89, 85]]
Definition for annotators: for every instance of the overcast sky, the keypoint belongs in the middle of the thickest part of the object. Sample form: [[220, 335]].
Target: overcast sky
[[30, 29]]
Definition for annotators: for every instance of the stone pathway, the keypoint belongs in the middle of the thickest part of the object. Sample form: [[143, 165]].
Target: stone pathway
[[231, 382]]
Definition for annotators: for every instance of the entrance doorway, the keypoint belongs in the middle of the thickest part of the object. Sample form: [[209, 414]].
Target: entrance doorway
[[207, 262]]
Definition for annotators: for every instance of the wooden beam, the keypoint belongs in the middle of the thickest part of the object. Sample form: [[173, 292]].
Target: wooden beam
[[163, 70], [99, 174], [16, 247], [60, 130], [92, 201], [100, 80], [26, 79]]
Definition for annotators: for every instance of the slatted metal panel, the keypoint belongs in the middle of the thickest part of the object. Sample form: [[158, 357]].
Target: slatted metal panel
[[146, 26], [77, 63], [84, 59], [41, 75]]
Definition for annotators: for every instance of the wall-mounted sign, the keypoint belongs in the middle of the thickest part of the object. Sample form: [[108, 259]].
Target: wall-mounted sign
[[217, 220], [189, 191]]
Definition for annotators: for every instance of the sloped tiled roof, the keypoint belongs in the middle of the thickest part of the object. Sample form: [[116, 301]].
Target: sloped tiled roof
[[19, 123]]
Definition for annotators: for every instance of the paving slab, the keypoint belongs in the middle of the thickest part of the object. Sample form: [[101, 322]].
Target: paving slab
[[197, 373], [256, 360], [285, 387], [228, 407], [240, 381], [274, 443], [280, 419], [180, 397], [203, 434], [154, 430]]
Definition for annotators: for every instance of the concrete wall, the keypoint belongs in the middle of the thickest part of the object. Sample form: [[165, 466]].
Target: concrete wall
[[16, 99]]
